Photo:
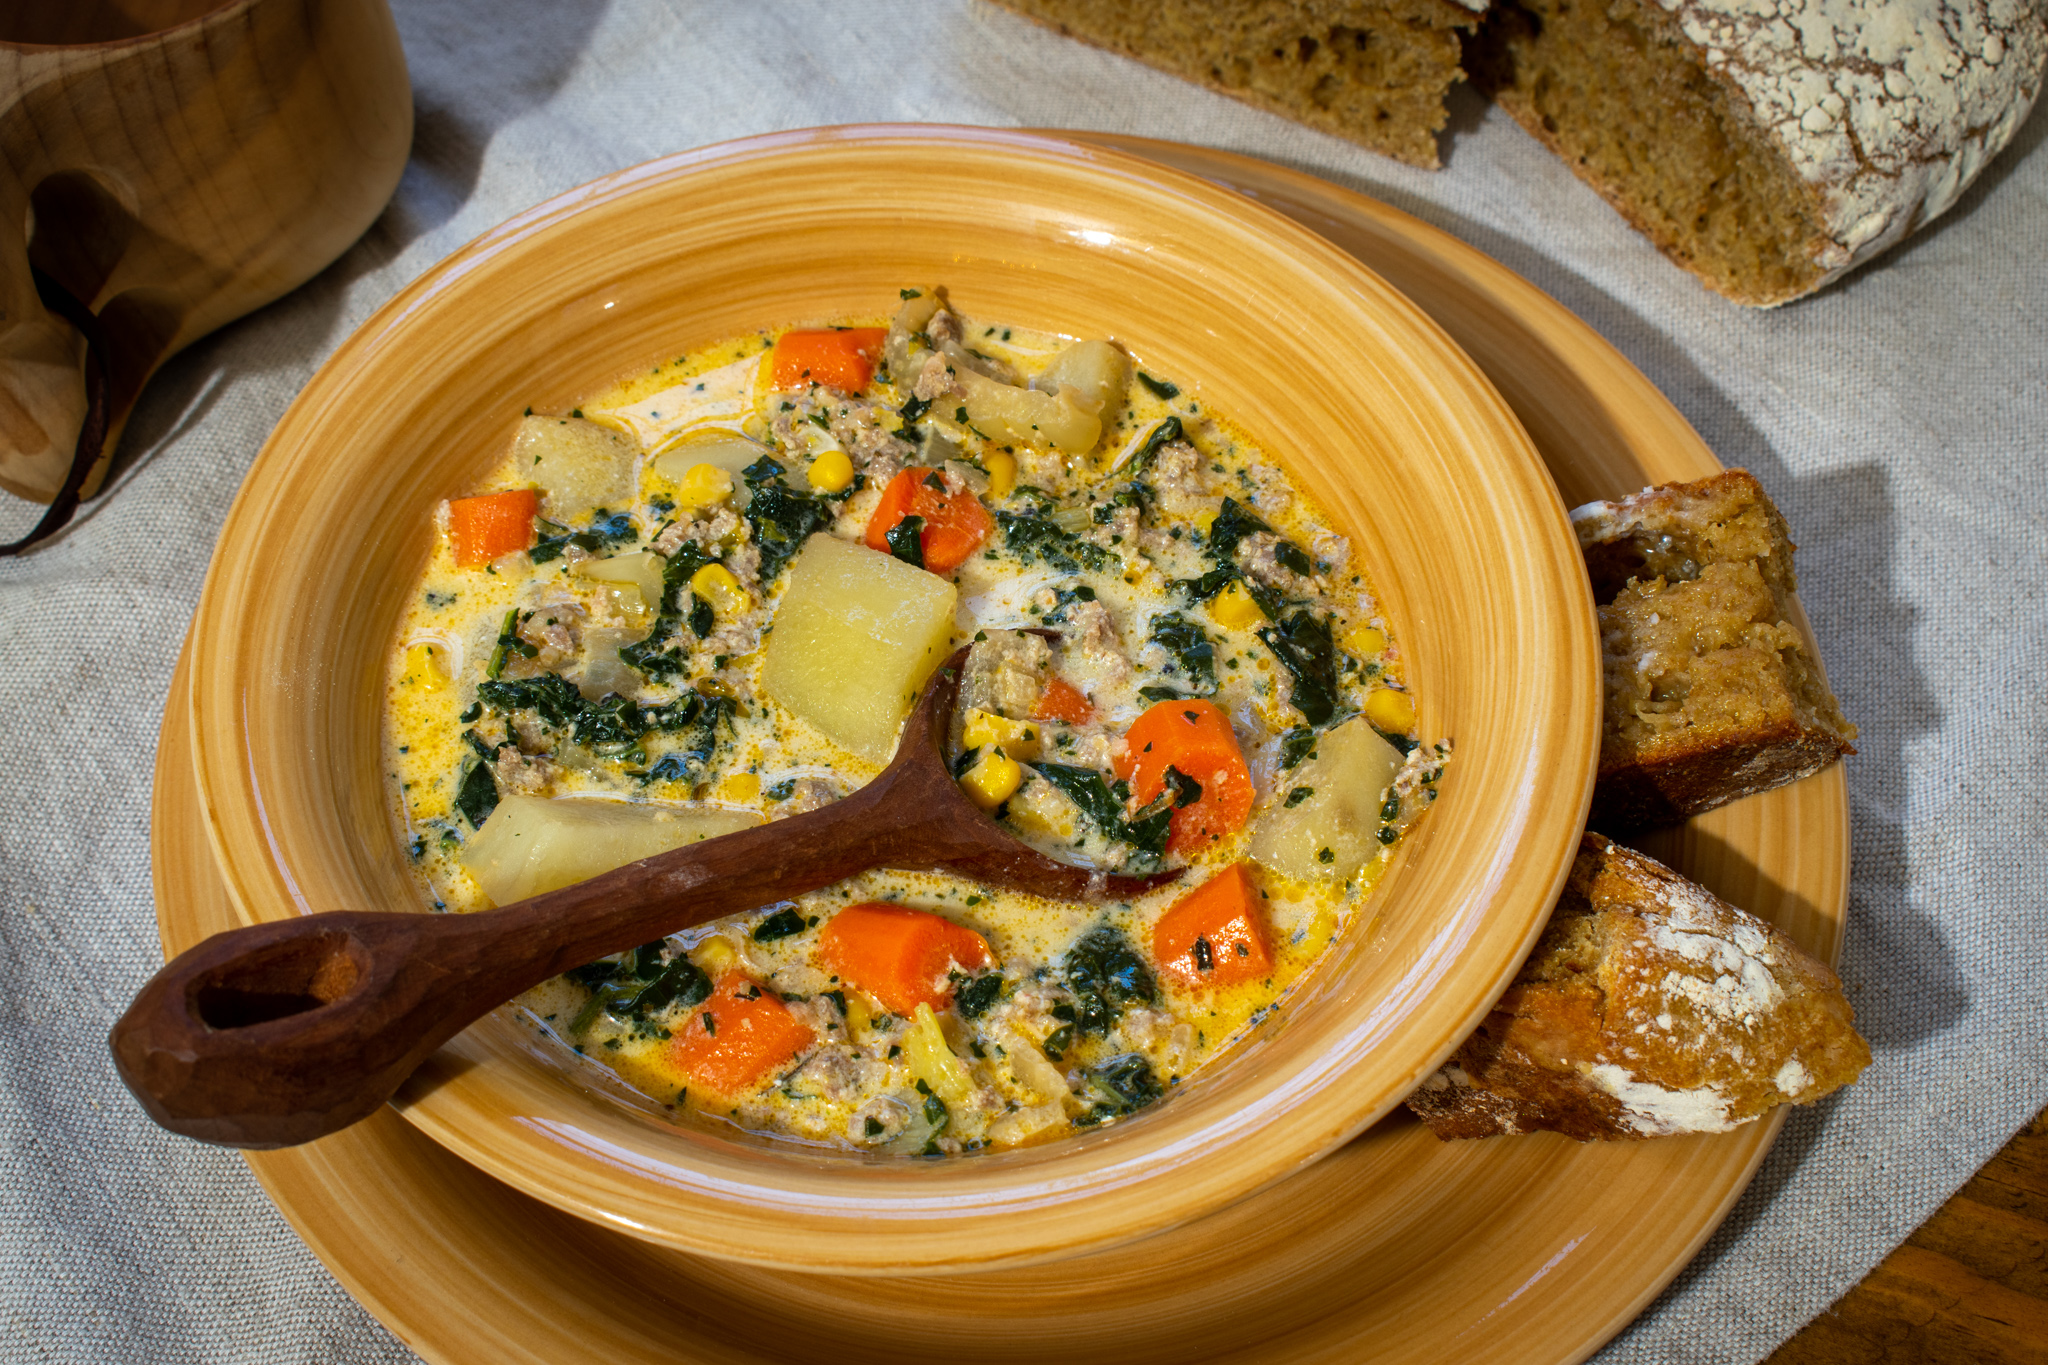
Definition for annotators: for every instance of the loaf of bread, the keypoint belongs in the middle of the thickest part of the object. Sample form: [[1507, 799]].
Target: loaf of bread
[[1710, 693], [1649, 1008], [1373, 71], [1767, 146]]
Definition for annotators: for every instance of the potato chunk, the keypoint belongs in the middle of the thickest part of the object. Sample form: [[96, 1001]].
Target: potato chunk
[[579, 465], [855, 637], [1331, 831], [533, 844], [1096, 370]]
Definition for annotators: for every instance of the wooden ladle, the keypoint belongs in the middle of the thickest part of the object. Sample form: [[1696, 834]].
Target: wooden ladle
[[283, 1032]]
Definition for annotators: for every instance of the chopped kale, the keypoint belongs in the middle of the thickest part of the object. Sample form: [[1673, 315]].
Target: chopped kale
[[647, 655], [1303, 646], [1401, 742], [1154, 692], [1106, 976], [906, 541], [1086, 788], [1160, 388], [782, 924], [1293, 558], [1033, 537], [605, 530], [508, 644], [1064, 598], [1122, 1085], [548, 695], [973, 996], [701, 617], [1190, 648], [1163, 435], [1297, 744], [913, 409], [477, 797], [1299, 795], [780, 791], [1233, 523], [782, 521]]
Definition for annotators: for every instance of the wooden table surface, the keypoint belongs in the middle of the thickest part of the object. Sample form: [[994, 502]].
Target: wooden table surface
[[1969, 1288]]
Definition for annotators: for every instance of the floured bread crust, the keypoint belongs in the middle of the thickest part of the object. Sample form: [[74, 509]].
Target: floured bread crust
[[1769, 146], [1650, 1008]]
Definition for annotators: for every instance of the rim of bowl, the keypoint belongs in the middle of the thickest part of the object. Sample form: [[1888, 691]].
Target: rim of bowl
[[542, 1130]]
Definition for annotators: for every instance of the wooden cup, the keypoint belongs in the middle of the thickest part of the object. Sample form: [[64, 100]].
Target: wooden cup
[[171, 165]]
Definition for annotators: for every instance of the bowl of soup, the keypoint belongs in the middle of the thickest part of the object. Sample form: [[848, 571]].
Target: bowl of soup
[[645, 517]]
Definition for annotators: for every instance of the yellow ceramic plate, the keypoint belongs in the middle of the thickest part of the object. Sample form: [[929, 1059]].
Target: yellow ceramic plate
[[1396, 1247], [1375, 412]]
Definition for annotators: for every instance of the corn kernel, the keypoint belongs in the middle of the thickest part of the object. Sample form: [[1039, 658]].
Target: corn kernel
[[705, 485], [993, 779], [1391, 711], [1366, 642], [984, 729], [1204, 519], [716, 957], [831, 471], [427, 667], [1002, 472], [858, 1015], [740, 787], [1235, 609], [716, 585]]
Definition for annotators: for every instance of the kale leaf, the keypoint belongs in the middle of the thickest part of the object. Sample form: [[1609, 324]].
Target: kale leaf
[[477, 797], [973, 996], [1106, 976], [1163, 435], [1303, 646], [780, 519], [1122, 1085], [1086, 788], [606, 529], [1030, 537], [906, 540], [647, 655], [1161, 388], [1189, 647]]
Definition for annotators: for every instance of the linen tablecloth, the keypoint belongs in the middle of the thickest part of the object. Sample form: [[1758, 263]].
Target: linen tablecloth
[[1900, 420]]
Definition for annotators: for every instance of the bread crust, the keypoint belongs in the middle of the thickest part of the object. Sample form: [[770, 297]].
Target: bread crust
[[1710, 693], [1649, 1008]]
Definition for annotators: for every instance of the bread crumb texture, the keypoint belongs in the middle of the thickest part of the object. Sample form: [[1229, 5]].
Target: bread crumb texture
[[1649, 1008], [1375, 73], [1769, 145], [1710, 691]]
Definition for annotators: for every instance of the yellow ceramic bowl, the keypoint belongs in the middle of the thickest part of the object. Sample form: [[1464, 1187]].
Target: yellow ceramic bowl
[[1376, 413]]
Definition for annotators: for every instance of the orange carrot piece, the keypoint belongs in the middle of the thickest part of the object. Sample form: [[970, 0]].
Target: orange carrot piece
[[899, 955], [838, 357], [483, 528], [739, 1037], [1062, 701], [1215, 935], [1195, 739], [955, 524]]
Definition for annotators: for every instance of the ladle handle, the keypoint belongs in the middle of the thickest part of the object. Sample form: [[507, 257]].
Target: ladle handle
[[282, 1032]]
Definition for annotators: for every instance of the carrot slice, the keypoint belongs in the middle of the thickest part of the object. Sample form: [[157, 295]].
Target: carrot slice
[[955, 524], [1193, 738], [1062, 701], [483, 528], [899, 955], [1215, 935], [838, 357], [739, 1037]]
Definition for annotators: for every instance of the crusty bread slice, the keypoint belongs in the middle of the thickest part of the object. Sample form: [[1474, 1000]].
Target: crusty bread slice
[[1650, 1007], [1711, 694], [1373, 71]]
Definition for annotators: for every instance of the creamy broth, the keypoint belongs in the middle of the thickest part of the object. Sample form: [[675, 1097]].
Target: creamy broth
[[1174, 663]]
